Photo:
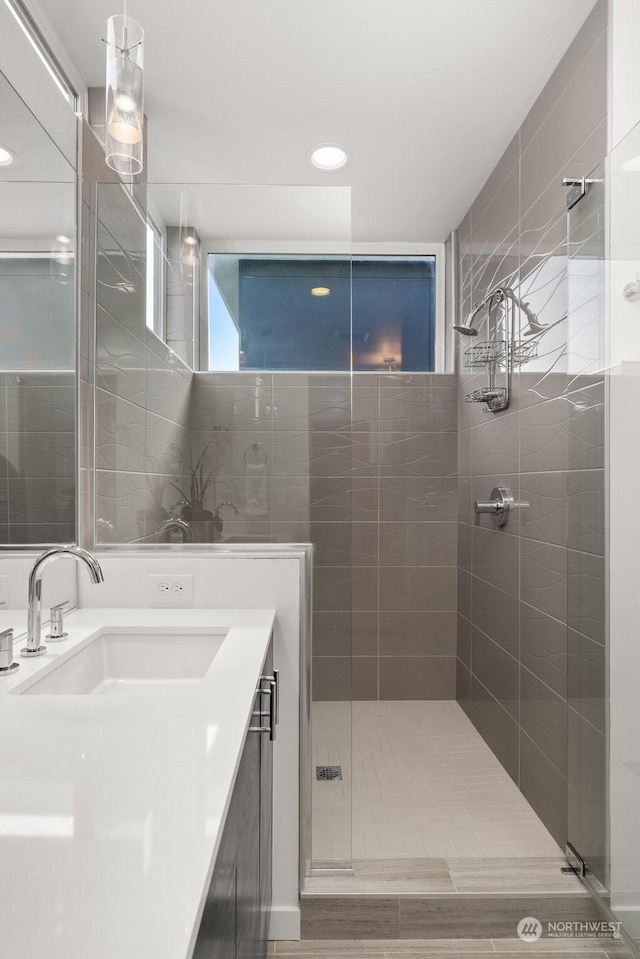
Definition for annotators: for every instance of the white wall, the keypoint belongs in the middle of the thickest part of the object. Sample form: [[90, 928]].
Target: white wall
[[239, 580], [624, 68]]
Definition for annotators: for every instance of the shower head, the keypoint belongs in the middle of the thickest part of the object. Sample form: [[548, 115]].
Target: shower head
[[465, 328]]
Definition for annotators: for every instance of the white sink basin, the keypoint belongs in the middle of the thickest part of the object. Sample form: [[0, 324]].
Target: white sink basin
[[130, 662]]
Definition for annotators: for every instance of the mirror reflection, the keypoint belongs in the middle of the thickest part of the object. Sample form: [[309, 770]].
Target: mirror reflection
[[37, 331]]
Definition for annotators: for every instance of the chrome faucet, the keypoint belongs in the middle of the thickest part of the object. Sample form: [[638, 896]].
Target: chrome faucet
[[33, 647], [174, 522]]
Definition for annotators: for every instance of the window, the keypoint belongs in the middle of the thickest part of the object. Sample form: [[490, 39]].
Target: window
[[321, 313], [154, 261]]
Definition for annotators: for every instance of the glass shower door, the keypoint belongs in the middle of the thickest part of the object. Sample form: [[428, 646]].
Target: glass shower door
[[604, 530], [586, 601], [623, 530]]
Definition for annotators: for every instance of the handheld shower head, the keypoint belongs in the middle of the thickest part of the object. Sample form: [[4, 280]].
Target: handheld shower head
[[534, 327]]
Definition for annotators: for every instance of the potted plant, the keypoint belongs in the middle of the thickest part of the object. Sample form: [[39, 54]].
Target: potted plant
[[206, 524]]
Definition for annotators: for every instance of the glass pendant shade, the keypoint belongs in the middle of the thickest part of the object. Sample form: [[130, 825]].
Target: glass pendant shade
[[125, 96]]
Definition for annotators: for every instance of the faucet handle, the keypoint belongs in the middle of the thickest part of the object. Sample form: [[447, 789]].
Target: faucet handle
[[7, 664], [57, 622]]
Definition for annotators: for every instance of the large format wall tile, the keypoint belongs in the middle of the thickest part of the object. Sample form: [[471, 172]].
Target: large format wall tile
[[586, 511], [496, 445], [545, 518], [586, 679], [417, 677], [586, 599], [144, 413], [408, 633], [543, 571], [497, 670], [423, 500], [545, 787], [418, 544], [543, 647], [408, 409], [543, 437], [418, 588], [495, 725], [531, 595], [120, 434], [588, 788], [543, 717], [495, 559], [496, 614], [418, 454]]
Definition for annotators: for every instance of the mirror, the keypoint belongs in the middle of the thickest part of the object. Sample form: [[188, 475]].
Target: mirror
[[37, 331]]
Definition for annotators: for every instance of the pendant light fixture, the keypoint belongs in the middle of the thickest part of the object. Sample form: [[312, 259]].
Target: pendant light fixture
[[125, 96]]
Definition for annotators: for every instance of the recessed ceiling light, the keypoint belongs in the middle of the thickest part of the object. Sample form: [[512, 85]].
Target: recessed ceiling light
[[632, 165], [329, 156], [6, 156], [320, 291]]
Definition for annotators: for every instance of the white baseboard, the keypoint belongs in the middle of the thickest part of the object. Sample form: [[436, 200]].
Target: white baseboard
[[284, 923]]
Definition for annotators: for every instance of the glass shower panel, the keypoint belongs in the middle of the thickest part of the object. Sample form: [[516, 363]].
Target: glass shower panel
[[623, 530], [586, 725], [241, 449]]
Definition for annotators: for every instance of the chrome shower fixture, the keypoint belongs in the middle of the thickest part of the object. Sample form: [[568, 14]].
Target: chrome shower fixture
[[466, 328], [495, 355], [496, 296]]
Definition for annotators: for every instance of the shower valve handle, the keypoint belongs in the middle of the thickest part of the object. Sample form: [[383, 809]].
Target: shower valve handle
[[499, 505]]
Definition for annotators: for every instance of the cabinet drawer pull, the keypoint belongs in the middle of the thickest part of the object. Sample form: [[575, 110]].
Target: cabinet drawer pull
[[274, 689], [273, 692], [273, 704]]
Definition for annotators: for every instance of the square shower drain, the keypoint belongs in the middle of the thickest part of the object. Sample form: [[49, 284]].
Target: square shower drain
[[329, 773]]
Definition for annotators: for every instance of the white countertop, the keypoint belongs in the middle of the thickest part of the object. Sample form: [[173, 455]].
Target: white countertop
[[112, 807]]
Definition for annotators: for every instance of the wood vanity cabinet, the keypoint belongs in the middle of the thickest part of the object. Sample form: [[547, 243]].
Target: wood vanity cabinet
[[236, 914]]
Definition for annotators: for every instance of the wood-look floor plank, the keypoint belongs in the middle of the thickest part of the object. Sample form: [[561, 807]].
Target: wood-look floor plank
[[487, 916], [350, 918], [447, 949], [512, 875], [355, 949], [543, 946]]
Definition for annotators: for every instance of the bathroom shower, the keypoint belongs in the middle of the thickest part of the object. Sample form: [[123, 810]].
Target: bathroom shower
[[501, 351]]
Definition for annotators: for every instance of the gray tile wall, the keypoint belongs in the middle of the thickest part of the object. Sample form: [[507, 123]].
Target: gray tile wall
[[512, 586], [365, 468], [142, 386], [37, 457]]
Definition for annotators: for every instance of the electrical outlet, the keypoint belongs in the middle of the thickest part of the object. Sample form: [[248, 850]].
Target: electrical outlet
[[171, 589]]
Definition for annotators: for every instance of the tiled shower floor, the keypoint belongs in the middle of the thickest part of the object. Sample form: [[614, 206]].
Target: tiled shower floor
[[425, 785]]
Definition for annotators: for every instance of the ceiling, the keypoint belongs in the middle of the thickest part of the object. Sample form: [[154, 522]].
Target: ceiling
[[37, 158], [424, 94]]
